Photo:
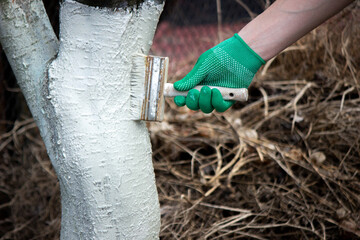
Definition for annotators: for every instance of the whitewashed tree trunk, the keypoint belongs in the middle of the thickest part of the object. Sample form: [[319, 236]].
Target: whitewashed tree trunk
[[102, 159]]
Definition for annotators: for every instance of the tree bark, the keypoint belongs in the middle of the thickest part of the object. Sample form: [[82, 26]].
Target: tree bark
[[30, 44], [102, 159]]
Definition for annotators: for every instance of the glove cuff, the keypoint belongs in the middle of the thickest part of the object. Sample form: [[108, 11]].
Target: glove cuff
[[253, 61]]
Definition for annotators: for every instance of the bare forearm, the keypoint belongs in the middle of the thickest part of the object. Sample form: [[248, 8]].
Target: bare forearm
[[285, 21]]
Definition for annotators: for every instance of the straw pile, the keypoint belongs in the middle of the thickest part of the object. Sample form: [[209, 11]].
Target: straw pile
[[283, 165]]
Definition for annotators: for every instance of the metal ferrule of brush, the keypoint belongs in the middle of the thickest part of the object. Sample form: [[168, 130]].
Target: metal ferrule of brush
[[156, 70]]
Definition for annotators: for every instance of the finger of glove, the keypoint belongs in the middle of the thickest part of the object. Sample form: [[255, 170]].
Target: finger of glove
[[192, 99], [195, 76], [205, 100], [180, 101], [218, 102]]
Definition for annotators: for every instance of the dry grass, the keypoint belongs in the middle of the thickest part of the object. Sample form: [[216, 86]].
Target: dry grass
[[29, 191], [284, 165]]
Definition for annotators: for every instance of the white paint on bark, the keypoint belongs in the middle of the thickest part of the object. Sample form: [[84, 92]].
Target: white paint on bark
[[30, 44], [103, 159]]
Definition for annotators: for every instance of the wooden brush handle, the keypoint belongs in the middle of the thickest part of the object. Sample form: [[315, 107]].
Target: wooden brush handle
[[237, 94]]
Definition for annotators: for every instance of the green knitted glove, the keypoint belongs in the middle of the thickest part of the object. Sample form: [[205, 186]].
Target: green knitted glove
[[232, 64]]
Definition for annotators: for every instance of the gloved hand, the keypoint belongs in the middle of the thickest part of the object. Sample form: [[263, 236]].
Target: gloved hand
[[232, 64]]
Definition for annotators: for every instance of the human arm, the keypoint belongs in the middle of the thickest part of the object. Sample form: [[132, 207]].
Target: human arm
[[284, 22]]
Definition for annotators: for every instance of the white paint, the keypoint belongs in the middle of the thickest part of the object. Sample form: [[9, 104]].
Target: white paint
[[30, 44], [104, 161]]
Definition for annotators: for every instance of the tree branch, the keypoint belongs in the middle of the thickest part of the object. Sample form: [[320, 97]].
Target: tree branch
[[30, 44]]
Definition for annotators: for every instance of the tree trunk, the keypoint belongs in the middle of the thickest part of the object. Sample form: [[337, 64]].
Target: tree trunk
[[102, 159]]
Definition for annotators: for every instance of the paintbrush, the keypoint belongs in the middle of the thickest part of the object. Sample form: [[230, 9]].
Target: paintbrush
[[149, 87]]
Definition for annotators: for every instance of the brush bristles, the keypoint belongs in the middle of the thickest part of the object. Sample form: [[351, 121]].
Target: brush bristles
[[137, 87]]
